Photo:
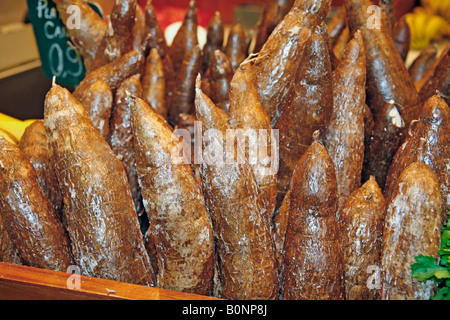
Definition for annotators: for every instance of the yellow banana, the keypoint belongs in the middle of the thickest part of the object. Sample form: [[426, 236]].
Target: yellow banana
[[14, 126], [435, 27], [417, 21], [8, 136], [445, 9], [438, 7], [4, 117], [425, 27]]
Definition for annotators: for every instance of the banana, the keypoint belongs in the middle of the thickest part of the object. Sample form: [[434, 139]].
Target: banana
[[13, 126], [425, 27], [438, 7], [434, 28], [8, 136], [4, 117], [445, 9]]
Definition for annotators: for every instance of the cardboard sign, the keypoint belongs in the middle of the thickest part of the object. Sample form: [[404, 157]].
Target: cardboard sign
[[58, 58]]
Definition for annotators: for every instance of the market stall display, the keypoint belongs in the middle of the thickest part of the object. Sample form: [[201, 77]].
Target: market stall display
[[281, 162]]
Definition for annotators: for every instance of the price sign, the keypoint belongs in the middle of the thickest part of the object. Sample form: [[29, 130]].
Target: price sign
[[58, 58]]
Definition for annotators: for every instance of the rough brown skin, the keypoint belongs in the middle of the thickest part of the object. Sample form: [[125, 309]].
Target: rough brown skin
[[344, 136], [428, 141], [413, 220], [247, 113], [387, 16], [214, 39], [8, 254], [92, 29], [180, 225], [123, 16], [385, 139], [152, 27], [28, 216], [121, 138], [236, 47], [273, 12], [154, 83], [185, 39], [402, 37], [220, 73], [158, 41], [170, 76], [439, 78], [312, 261], [114, 73], [205, 84], [423, 63], [334, 60], [247, 264], [139, 28], [108, 50], [387, 76], [184, 95], [187, 122], [97, 99], [101, 219], [361, 223], [308, 108], [341, 43], [277, 62], [337, 24], [34, 145]]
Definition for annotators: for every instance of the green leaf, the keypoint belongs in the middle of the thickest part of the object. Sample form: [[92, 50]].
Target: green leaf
[[425, 268], [445, 261], [445, 240], [443, 294]]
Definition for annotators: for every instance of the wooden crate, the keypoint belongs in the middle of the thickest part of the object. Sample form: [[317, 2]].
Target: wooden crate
[[27, 283]]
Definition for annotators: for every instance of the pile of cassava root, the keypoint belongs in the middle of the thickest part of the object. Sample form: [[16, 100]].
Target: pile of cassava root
[[363, 159]]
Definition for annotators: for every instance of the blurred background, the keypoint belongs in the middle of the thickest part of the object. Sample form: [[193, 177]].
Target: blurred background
[[23, 84]]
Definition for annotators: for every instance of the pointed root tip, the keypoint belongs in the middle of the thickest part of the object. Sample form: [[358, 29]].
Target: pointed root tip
[[198, 82], [110, 29], [130, 97], [316, 136], [146, 43], [440, 94]]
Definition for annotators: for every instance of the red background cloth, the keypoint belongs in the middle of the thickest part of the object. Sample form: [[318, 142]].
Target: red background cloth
[[170, 11]]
